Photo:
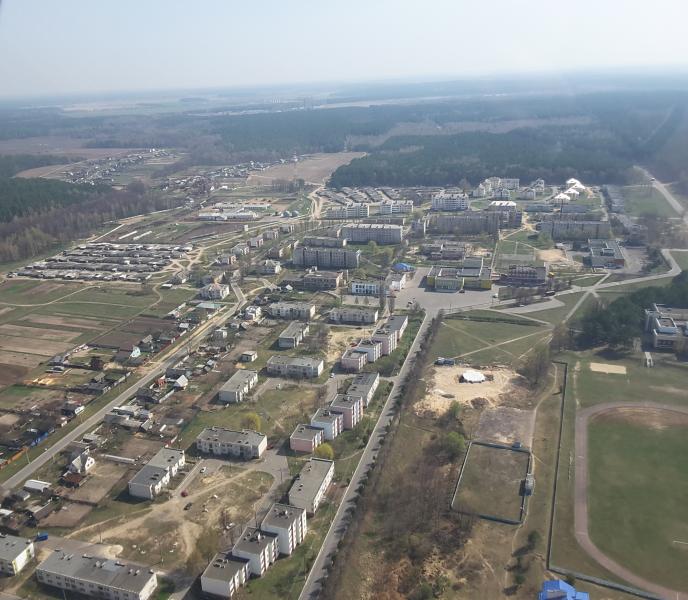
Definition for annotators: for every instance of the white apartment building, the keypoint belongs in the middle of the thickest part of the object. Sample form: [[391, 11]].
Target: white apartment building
[[396, 207], [259, 548], [224, 575], [15, 553], [288, 523], [310, 486], [365, 288], [156, 474], [450, 201], [332, 423], [97, 577], [238, 386], [244, 444]]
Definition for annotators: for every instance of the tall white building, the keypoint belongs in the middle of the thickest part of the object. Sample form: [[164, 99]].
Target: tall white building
[[449, 201]]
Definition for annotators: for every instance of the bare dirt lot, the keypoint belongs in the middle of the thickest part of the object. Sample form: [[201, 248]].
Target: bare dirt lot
[[342, 338], [608, 369], [503, 386], [68, 516], [506, 425], [40, 333], [80, 323], [17, 359], [139, 446], [103, 477], [313, 169], [11, 373], [32, 346]]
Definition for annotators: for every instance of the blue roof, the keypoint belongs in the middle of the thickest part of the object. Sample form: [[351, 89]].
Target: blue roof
[[402, 267], [560, 590]]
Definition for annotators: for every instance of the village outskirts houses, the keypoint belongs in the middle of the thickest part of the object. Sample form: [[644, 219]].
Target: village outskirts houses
[[215, 291]]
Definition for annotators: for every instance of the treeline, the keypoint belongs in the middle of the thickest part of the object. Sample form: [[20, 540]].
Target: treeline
[[28, 236], [553, 153], [620, 322], [11, 164], [25, 197]]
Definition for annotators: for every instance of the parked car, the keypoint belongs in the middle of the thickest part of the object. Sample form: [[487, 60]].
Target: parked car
[[188, 505], [185, 493]]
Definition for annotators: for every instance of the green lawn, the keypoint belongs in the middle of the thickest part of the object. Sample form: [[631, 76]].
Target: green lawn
[[681, 257], [557, 314], [33, 292], [646, 201], [638, 490]]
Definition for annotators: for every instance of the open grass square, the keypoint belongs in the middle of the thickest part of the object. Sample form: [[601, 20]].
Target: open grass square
[[491, 481]]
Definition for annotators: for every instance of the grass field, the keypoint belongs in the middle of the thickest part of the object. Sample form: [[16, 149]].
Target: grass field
[[458, 337], [646, 201], [491, 482], [587, 388], [646, 467], [557, 314]]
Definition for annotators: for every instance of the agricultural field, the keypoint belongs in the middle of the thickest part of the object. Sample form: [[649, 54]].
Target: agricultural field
[[312, 169], [491, 482]]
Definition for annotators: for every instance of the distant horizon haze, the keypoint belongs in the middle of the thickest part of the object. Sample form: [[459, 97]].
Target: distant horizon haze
[[80, 47]]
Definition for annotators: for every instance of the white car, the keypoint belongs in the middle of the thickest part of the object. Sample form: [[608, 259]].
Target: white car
[[204, 469]]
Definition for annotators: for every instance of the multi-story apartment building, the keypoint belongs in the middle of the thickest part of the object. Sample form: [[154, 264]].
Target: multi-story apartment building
[[314, 241], [396, 207], [350, 314], [363, 233], [308, 490], [292, 310], [237, 387], [156, 474], [353, 360], [524, 275], [224, 575], [332, 423], [341, 258], [295, 366], [365, 288], [219, 441], [352, 210], [371, 348], [467, 223], [315, 280], [667, 326], [351, 408], [259, 548], [288, 523], [305, 438], [293, 335], [96, 577], [365, 385], [445, 201], [387, 339], [15, 553]]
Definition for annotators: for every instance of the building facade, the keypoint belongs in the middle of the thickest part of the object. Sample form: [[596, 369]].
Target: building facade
[[219, 441], [309, 488], [237, 387]]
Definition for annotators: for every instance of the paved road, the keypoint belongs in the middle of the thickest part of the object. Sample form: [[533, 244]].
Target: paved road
[[662, 189], [581, 524], [311, 588], [181, 349]]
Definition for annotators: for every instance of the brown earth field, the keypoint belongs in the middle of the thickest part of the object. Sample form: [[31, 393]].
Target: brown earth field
[[17, 359], [39, 333], [56, 145], [32, 346], [79, 323], [10, 374], [314, 169]]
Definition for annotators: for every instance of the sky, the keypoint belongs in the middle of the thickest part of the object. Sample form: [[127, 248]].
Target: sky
[[50, 47]]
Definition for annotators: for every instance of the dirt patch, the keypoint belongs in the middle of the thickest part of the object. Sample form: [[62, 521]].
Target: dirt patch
[[503, 385], [608, 369], [5, 309], [646, 417], [104, 476], [341, 339], [314, 169], [39, 333], [8, 419], [507, 425], [69, 515], [138, 446], [81, 323], [32, 346], [11, 373], [17, 359]]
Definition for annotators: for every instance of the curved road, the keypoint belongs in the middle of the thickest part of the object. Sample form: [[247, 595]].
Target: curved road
[[581, 522]]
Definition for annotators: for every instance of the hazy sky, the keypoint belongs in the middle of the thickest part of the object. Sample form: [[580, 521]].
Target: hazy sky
[[58, 46]]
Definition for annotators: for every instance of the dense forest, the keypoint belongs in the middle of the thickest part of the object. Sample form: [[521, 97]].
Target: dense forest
[[27, 236], [550, 153], [618, 323], [11, 164]]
